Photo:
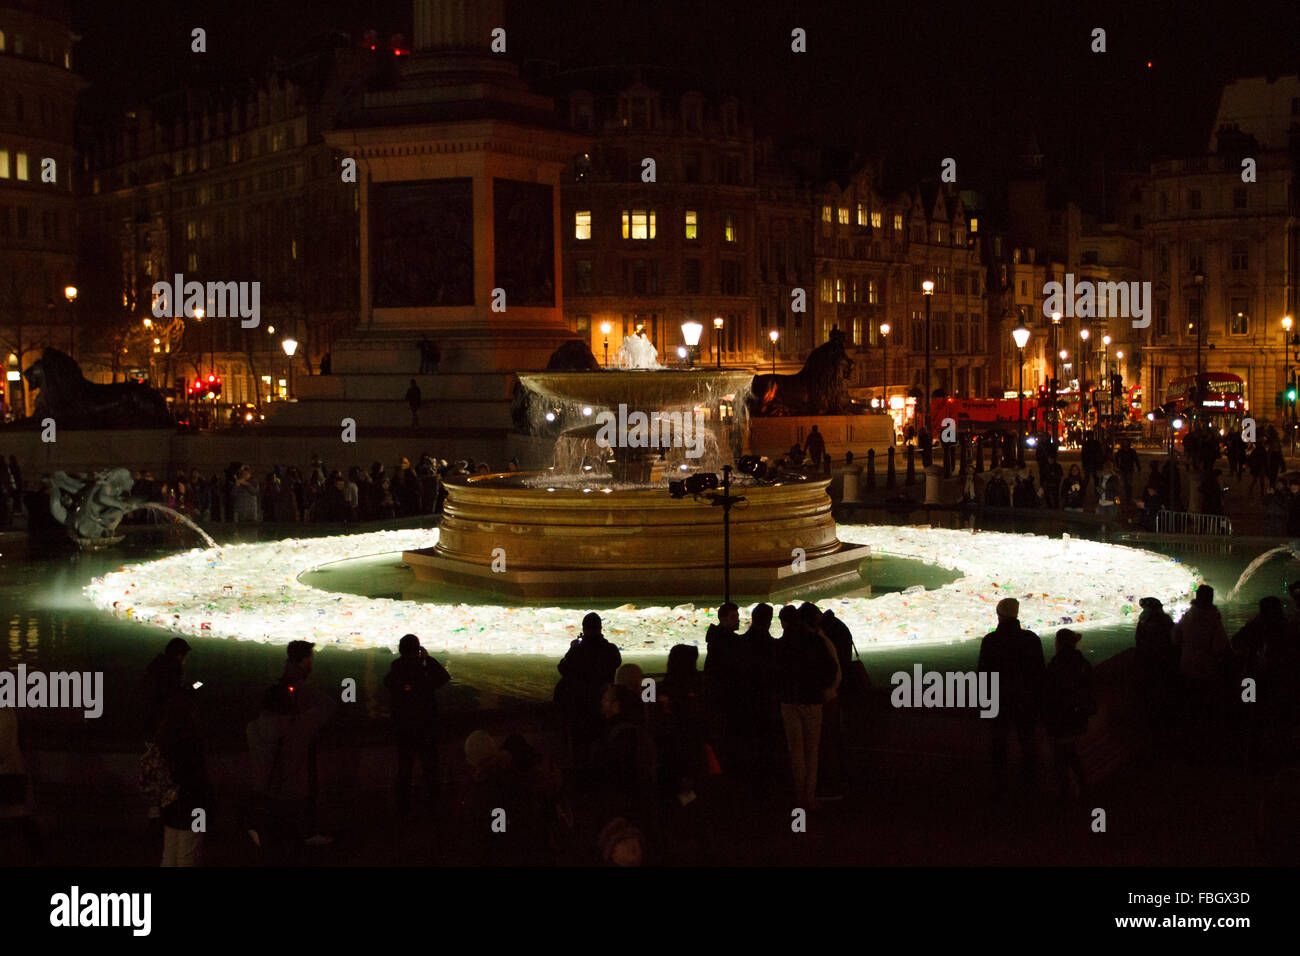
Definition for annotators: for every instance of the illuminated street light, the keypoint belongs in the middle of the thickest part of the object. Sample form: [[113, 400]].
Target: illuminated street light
[[290, 345]]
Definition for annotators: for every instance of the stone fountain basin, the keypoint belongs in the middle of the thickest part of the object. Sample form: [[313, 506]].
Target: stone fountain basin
[[646, 390], [503, 536]]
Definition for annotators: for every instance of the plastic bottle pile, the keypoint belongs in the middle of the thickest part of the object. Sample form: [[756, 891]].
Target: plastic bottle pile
[[252, 592]]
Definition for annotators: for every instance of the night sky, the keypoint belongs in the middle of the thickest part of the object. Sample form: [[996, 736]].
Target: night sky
[[916, 81]]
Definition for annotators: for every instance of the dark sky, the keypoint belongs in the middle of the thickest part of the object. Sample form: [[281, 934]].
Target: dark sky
[[916, 80]]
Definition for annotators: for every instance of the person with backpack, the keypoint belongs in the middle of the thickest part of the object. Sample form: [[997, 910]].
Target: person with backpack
[[412, 683]]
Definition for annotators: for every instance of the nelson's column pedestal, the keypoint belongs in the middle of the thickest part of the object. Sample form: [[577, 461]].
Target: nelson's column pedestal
[[458, 168]]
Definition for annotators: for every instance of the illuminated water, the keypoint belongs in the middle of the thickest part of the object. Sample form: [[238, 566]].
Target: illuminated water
[[48, 624]]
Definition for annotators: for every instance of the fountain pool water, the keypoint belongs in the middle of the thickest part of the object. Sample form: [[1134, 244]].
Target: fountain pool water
[[1292, 548]]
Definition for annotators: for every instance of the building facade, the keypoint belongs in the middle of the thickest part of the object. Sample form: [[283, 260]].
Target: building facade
[[38, 92]]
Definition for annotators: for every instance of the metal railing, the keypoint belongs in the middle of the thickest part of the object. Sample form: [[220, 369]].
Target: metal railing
[[1184, 522]]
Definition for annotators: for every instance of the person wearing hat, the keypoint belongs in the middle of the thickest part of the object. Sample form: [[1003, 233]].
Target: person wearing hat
[[1016, 656], [1068, 703], [412, 682]]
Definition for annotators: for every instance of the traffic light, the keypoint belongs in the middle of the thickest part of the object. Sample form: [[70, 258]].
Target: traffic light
[[1290, 393]]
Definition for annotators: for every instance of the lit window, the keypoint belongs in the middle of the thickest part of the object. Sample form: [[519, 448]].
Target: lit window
[[2, 41], [839, 290], [729, 231], [862, 214], [20, 166], [877, 220], [898, 222], [582, 224], [844, 215], [4, 164], [826, 290], [827, 215], [974, 226], [692, 224], [638, 224]]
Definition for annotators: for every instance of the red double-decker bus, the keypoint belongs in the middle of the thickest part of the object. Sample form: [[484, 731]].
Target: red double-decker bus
[[1218, 398], [982, 414]]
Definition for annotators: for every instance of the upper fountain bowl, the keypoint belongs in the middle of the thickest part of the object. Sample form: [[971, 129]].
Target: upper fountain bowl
[[640, 388]]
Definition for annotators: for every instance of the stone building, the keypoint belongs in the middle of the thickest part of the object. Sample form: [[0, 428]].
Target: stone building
[[38, 92], [1220, 251], [659, 216], [221, 185]]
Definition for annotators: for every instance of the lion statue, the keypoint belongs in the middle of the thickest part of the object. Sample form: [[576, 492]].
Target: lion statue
[[819, 388], [73, 402]]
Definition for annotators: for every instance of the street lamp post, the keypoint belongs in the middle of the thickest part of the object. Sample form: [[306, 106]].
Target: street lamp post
[[717, 338], [70, 293], [1199, 278], [1119, 362], [1021, 336], [691, 333], [290, 346], [774, 335], [1103, 368], [1084, 358], [928, 288], [884, 370], [1051, 390], [1286, 366], [604, 330]]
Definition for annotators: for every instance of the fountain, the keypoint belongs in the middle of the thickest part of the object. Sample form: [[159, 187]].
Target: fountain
[[1293, 549], [607, 519], [90, 511]]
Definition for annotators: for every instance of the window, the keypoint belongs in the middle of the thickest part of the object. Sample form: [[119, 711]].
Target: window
[[872, 293], [877, 220], [863, 216], [918, 331], [977, 333], [898, 222], [1194, 199], [1239, 199], [20, 167], [1162, 318], [939, 332], [1164, 259], [941, 279], [4, 164], [1193, 314], [691, 167], [691, 276], [730, 277], [729, 230], [1239, 254], [827, 214], [959, 282], [1024, 287], [940, 234], [959, 332], [975, 283], [1196, 256], [844, 215], [582, 224], [692, 224], [731, 171], [1239, 317], [974, 226], [642, 276], [582, 268], [2, 41], [827, 291], [839, 290], [638, 224]]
